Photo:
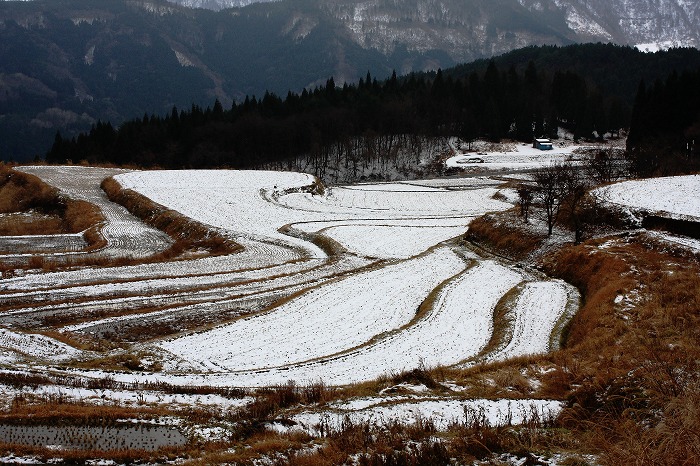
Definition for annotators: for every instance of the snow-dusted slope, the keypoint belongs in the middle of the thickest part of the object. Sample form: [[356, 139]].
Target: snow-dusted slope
[[648, 24], [673, 196], [454, 26]]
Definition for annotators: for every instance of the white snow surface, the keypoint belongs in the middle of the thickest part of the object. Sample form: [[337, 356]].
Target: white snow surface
[[237, 201], [357, 308], [457, 327], [254, 205], [401, 298], [524, 157], [99, 396], [36, 346], [126, 235], [443, 413], [683, 241], [538, 308], [672, 196], [391, 241]]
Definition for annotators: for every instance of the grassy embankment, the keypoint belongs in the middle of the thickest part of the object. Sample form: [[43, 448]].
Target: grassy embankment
[[28, 206], [630, 362], [35, 208]]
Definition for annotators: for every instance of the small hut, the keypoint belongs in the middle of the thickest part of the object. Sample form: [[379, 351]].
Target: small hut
[[542, 144]]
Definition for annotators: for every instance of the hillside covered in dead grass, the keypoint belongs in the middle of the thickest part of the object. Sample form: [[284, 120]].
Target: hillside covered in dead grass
[[629, 362]]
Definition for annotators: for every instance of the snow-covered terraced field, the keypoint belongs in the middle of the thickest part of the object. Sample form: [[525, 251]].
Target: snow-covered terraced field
[[539, 307], [390, 241], [17, 246], [359, 308], [443, 413], [522, 157], [126, 235], [173, 299], [242, 205], [674, 196], [256, 256], [400, 292], [391, 203], [36, 346], [456, 327]]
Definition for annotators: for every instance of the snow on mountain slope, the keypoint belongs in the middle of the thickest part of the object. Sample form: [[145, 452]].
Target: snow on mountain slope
[[649, 24], [217, 5]]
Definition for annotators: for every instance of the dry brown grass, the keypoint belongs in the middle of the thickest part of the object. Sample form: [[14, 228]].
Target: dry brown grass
[[79, 457], [21, 192], [54, 410], [23, 224], [630, 360], [419, 443], [44, 210], [266, 447], [600, 275], [31, 207], [501, 234], [632, 370]]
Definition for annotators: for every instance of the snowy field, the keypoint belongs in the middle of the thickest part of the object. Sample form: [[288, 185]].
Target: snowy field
[[515, 157], [359, 307], [674, 196], [126, 235], [443, 413], [396, 291]]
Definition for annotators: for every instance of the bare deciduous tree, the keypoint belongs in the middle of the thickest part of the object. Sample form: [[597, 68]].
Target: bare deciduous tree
[[607, 165], [525, 197], [574, 190], [549, 190]]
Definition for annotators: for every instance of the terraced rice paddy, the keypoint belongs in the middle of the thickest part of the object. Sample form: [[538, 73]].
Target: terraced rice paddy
[[141, 437], [342, 285]]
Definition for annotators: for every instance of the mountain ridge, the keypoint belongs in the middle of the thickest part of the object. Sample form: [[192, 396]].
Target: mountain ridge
[[66, 64]]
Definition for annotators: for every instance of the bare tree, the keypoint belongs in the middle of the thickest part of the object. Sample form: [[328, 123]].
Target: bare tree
[[525, 197], [607, 165], [549, 191], [574, 191]]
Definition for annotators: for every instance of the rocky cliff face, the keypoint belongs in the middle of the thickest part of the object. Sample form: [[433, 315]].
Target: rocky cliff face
[[463, 30]]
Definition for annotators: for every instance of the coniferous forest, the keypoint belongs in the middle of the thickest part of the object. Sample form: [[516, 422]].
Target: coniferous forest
[[664, 133], [352, 121]]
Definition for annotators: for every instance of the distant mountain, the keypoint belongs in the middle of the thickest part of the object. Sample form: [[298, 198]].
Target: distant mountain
[[649, 24], [217, 5], [65, 64]]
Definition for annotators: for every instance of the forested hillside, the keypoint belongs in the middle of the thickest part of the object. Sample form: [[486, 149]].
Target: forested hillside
[[354, 122], [65, 64], [665, 128]]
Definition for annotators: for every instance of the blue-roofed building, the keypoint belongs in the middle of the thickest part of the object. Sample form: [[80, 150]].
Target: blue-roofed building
[[542, 144]]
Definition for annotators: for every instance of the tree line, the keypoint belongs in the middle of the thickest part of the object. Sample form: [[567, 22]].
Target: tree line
[[664, 136], [367, 119]]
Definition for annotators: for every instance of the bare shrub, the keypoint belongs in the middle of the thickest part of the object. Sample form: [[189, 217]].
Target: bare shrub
[[607, 165]]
